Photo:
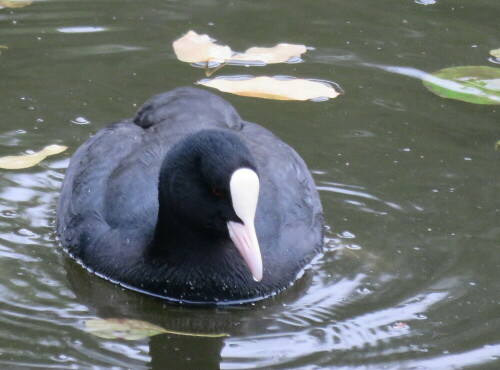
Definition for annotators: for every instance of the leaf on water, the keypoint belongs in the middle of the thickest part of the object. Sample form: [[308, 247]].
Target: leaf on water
[[14, 3], [14, 162], [132, 329], [274, 88], [194, 48], [495, 53], [497, 145], [473, 84], [280, 53]]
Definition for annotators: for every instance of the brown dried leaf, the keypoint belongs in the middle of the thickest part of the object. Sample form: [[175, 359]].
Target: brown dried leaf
[[14, 162], [274, 88]]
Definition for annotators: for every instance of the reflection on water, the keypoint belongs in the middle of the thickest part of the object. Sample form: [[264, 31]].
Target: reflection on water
[[409, 184]]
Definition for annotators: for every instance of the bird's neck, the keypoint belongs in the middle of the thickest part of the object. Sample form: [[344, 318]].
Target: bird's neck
[[175, 230]]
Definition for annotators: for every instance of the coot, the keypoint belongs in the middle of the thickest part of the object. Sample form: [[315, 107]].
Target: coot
[[188, 202]]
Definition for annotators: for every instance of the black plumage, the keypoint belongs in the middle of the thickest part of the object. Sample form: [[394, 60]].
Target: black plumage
[[145, 202]]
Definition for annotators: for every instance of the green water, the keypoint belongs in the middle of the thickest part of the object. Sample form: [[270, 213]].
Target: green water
[[409, 183]]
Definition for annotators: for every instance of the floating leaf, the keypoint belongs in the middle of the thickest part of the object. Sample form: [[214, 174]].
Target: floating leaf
[[14, 162], [132, 329], [495, 53], [473, 84], [497, 145], [277, 88], [194, 48], [278, 54], [14, 3]]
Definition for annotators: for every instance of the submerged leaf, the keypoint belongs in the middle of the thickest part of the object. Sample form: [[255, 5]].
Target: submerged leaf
[[122, 329], [280, 53], [15, 3], [194, 48], [473, 84], [132, 329], [273, 88], [14, 162], [495, 53]]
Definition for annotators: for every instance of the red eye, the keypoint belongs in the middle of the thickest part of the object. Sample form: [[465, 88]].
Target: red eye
[[217, 192]]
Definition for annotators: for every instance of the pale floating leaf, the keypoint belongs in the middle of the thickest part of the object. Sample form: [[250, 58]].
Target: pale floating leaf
[[273, 88], [122, 329], [495, 53], [280, 53], [473, 84], [14, 3], [14, 162], [194, 48], [132, 329]]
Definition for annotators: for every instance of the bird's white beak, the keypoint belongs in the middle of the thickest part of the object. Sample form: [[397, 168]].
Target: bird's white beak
[[244, 186]]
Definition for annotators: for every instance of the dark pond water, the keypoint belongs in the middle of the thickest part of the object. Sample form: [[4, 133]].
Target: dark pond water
[[409, 182]]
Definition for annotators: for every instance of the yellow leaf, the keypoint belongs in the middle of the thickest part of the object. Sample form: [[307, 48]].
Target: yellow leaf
[[278, 54], [122, 329], [274, 88], [495, 53], [14, 162], [15, 3], [194, 48], [132, 329]]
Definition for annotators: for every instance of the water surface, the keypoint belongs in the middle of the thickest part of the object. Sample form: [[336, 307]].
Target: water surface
[[409, 183]]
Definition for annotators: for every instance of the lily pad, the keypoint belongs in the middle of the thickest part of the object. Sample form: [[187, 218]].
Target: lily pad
[[132, 329], [473, 84], [277, 88], [495, 53], [14, 162], [14, 3]]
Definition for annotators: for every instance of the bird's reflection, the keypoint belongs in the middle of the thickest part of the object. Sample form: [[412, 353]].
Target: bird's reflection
[[107, 300]]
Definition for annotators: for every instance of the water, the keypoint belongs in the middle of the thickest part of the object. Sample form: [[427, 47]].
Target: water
[[409, 183]]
